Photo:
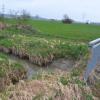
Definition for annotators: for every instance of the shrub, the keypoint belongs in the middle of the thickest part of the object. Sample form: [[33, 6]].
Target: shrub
[[64, 80], [67, 20]]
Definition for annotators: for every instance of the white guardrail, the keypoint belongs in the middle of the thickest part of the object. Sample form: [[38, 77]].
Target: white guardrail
[[94, 42], [95, 58]]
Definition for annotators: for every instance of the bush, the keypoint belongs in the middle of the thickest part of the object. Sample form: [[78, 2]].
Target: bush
[[67, 20]]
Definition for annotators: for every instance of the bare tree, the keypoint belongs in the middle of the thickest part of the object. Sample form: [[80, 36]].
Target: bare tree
[[24, 17]]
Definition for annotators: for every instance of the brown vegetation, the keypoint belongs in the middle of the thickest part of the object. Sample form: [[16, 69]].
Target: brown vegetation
[[48, 87], [94, 81], [2, 26], [22, 54]]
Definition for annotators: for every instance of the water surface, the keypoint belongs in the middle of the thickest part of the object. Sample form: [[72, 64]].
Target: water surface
[[32, 69]]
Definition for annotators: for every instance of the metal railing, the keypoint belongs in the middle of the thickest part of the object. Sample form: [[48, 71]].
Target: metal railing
[[95, 57]]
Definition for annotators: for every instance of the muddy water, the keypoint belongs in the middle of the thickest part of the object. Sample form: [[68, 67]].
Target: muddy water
[[61, 64], [31, 68]]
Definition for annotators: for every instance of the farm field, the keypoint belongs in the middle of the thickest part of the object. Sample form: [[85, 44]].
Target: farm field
[[72, 32]]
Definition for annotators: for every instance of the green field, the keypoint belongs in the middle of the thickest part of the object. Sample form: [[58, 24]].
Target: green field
[[77, 32], [72, 32]]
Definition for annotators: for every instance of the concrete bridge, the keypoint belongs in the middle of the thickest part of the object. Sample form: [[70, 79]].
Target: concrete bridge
[[95, 57]]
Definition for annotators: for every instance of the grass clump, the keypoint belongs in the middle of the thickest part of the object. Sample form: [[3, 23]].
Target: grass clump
[[75, 72], [6, 43], [3, 56], [2, 73], [80, 83], [88, 96], [17, 66], [64, 80]]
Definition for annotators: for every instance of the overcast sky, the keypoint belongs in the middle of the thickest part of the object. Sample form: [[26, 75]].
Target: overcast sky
[[80, 10]]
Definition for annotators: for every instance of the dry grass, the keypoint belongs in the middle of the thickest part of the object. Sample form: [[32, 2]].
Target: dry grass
[[49, 87], [10, 72]]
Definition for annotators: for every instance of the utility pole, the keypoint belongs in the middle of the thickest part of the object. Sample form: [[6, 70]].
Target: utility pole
[[3, 12]]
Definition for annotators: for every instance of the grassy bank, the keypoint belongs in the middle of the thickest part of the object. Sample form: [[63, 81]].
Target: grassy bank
[[50, 86], [28, 43], [42, 42], [10, 72]]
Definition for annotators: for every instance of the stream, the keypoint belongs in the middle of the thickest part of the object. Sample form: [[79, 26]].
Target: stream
[[32, 69]]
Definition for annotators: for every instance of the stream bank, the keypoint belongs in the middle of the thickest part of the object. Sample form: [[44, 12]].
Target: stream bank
[[32, 69]]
